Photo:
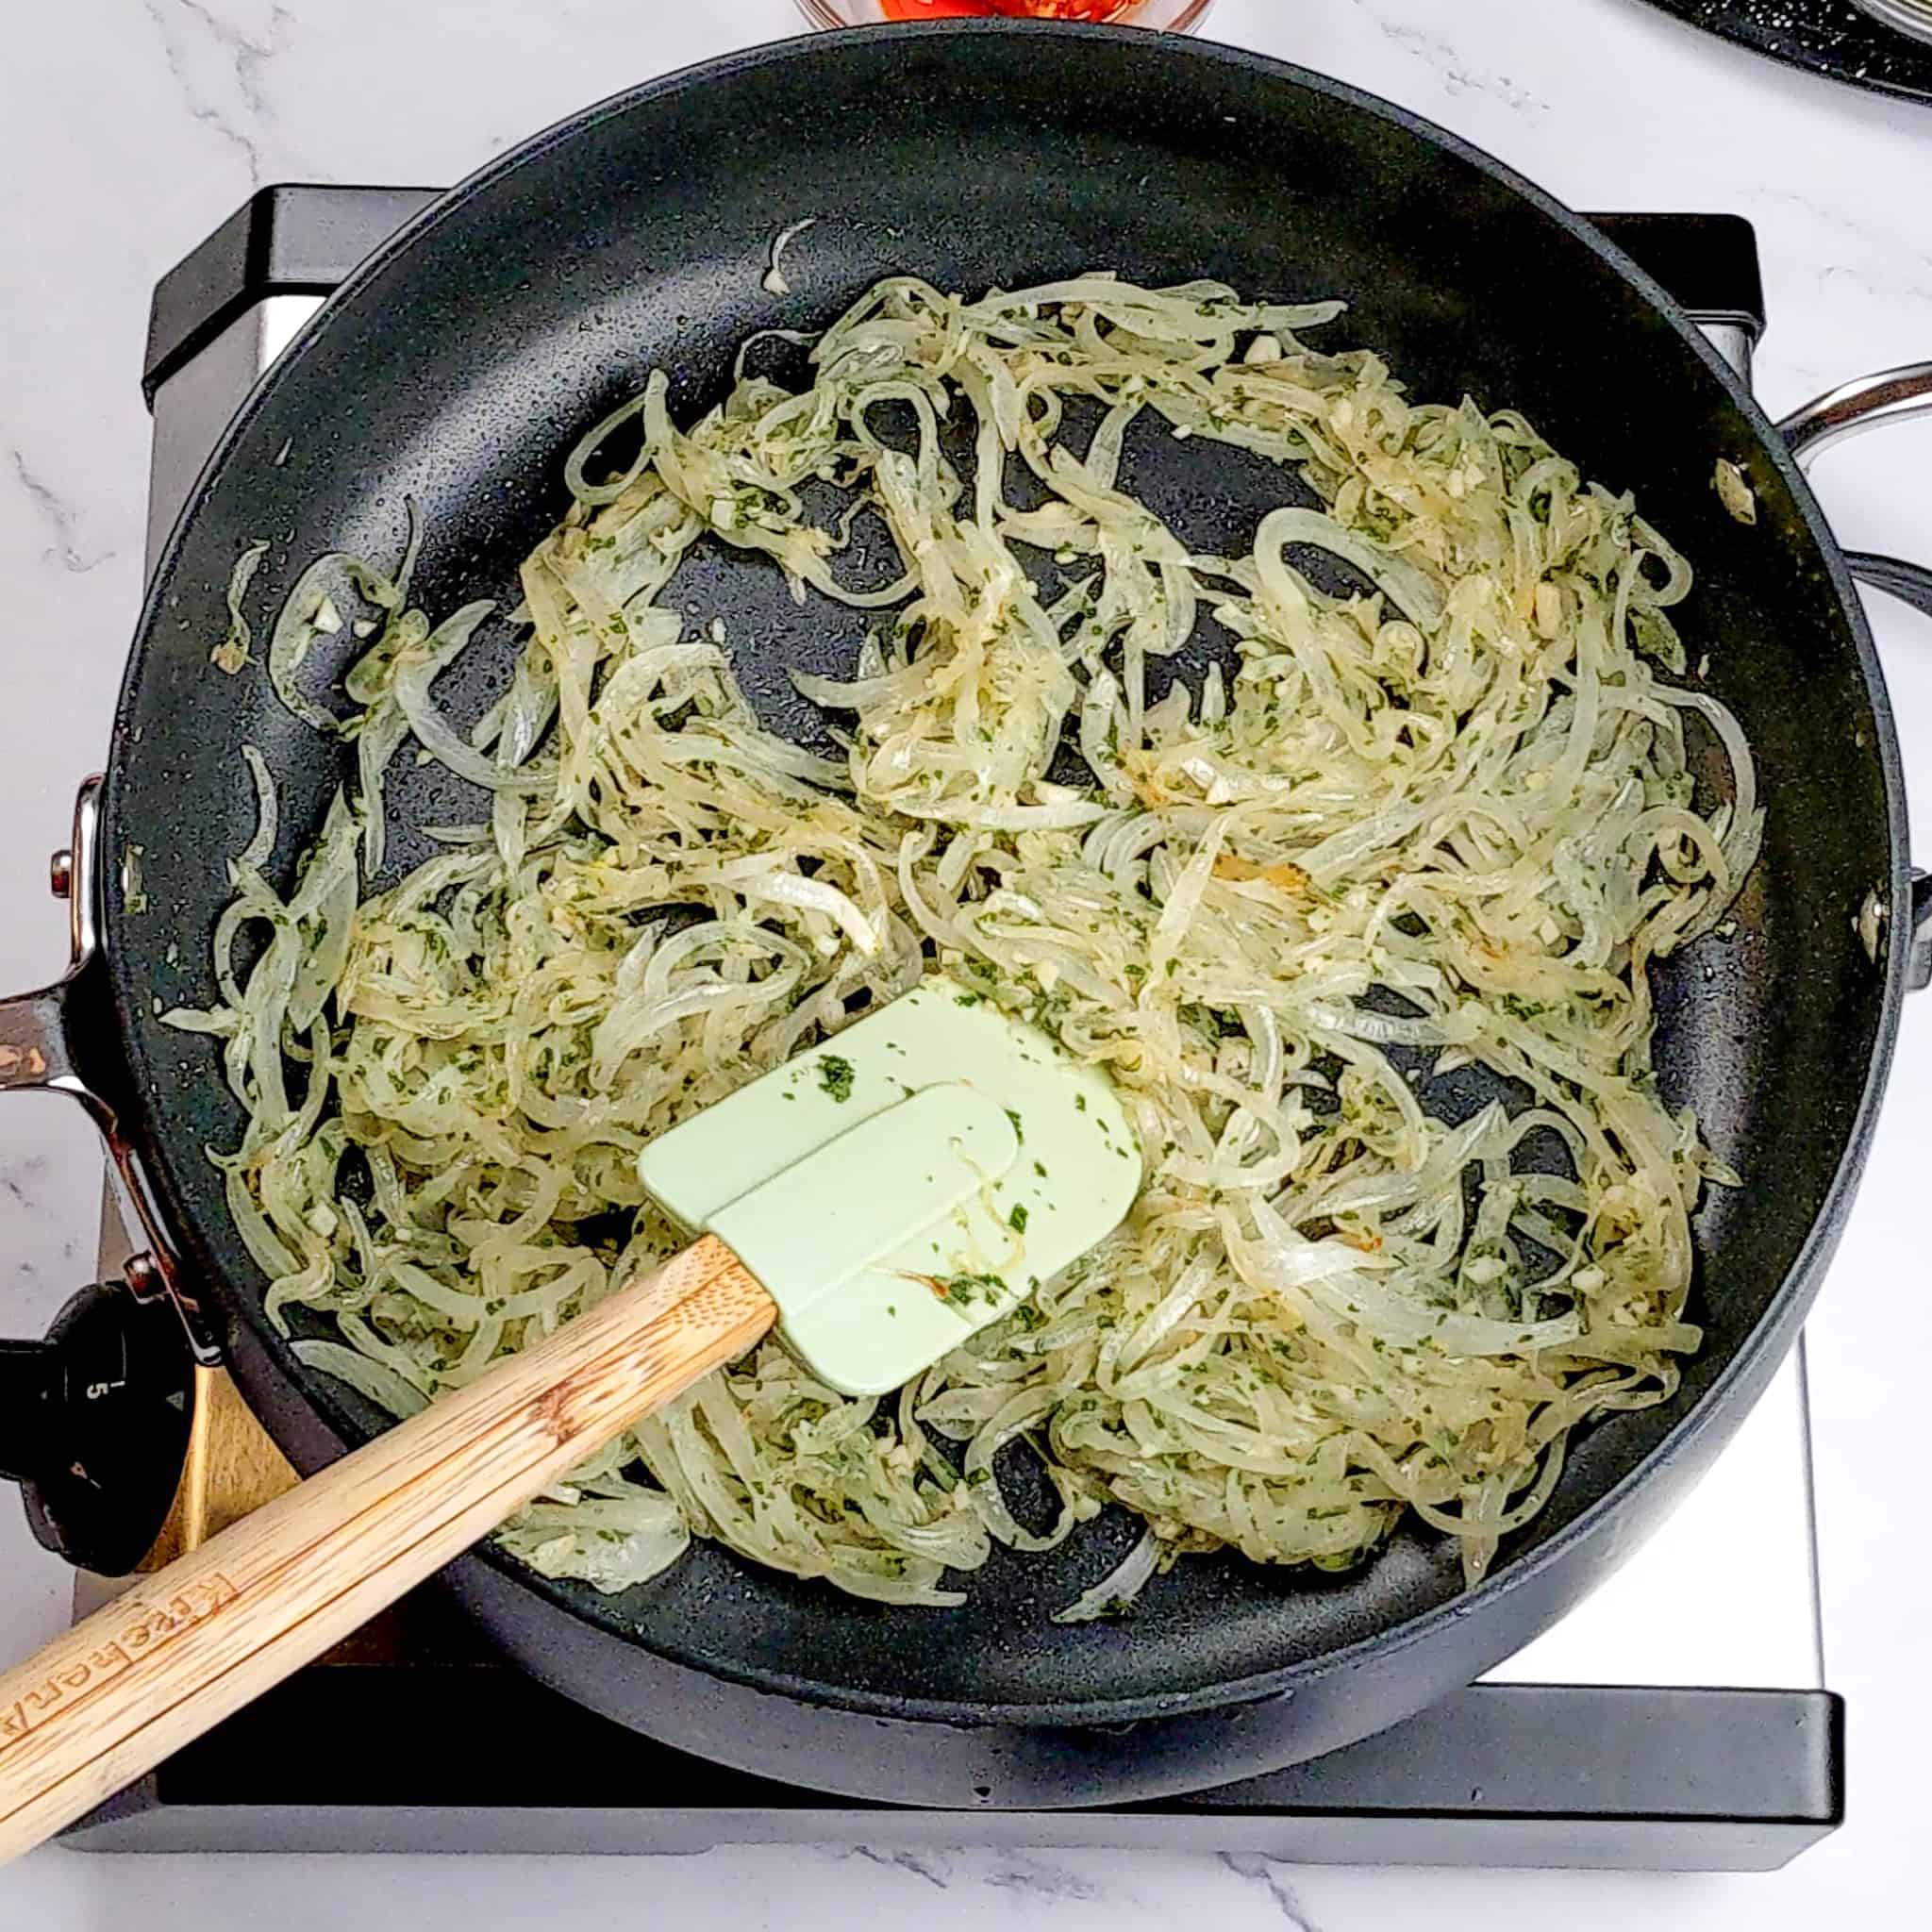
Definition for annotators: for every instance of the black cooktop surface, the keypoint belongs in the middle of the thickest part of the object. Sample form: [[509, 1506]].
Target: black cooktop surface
[[421, 1740]]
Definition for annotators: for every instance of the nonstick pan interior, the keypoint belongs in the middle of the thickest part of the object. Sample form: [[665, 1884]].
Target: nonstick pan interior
[[465, 363]]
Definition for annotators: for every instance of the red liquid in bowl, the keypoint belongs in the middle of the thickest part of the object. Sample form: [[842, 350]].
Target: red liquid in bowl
[[1037, 9]]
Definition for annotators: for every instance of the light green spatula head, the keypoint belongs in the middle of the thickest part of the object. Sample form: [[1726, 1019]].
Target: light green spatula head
[[907, 1183]]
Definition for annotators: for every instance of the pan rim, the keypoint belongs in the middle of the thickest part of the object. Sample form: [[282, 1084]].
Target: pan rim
[[1717, 1409]]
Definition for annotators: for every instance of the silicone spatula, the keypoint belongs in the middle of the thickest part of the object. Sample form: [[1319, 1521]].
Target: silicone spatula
[[877, 1200], [905, 1184]]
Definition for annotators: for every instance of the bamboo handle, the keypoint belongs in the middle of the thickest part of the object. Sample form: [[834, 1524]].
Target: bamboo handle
[[195, 1641]]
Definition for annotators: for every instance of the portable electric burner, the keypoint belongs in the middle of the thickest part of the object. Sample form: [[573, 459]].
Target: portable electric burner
[[1697, 1734]]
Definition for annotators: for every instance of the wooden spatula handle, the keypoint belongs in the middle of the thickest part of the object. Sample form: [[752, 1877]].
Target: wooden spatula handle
[[195, 1641]]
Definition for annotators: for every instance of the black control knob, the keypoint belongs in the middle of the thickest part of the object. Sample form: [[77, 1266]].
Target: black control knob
[[94, 1423]]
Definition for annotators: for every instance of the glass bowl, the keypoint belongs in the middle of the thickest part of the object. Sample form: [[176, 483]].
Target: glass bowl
[[1170, 16]]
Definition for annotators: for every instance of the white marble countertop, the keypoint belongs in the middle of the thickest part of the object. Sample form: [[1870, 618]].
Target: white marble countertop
[[129, 127]]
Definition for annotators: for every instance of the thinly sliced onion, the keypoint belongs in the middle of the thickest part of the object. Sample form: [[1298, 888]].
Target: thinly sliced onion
[[256, 854], [232, 653], [1381, 839], [296, 628], [1407, 586], [375, 1380], [417, 671], [1117, 1589]]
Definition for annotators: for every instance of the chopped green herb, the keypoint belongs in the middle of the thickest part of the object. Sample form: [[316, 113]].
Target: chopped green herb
[[963, 1290], [1017, 1218], [836, 1077]]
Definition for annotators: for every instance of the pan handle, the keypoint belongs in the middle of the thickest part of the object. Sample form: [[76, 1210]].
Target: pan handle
[[1910, 583], [51, 1039], [96, 1416], [1864, 403], [1867, 402]]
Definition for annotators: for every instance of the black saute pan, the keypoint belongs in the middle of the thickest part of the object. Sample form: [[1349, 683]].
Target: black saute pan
[[460, 364]]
